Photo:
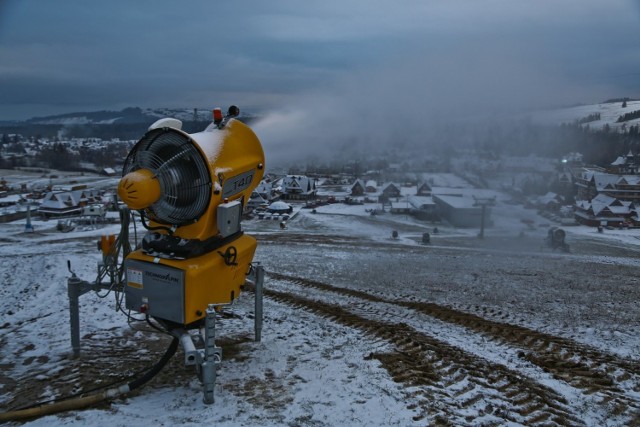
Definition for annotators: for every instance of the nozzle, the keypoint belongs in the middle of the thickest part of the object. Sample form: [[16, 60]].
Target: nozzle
[[139, 189]]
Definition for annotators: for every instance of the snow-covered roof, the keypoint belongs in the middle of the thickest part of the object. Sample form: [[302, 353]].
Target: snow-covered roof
[[299, 183], [263, 187], [619, 161], [604, 199], [583, 204], [390, 186], [358, 182], [628, 180], [548, 198], [400, 205], [421, 202], [64, 200], [603, 204], [12, 198], [605, 180], [279, 206], [459, 202], [620, 210]]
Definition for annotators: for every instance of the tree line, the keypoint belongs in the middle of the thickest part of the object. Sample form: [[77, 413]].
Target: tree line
[[629, 116]]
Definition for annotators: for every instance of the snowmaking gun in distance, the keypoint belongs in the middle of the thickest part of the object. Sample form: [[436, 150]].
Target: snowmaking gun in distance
[[189, 191]]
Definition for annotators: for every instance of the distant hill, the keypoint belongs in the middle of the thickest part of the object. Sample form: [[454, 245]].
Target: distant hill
[[616, 113], [127, 115], [129, 123]]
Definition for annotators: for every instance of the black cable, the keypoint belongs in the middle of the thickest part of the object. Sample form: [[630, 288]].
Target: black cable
[[135, 229], [131, 319], [162, 331], [157, 367], [160, 227], [149, 373]]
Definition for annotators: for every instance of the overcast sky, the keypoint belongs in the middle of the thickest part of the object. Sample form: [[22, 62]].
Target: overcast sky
[[333, 70], [63, 56]]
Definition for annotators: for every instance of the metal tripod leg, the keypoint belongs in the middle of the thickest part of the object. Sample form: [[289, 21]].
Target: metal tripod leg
[[212, 356], [75, 288], [259, 280]]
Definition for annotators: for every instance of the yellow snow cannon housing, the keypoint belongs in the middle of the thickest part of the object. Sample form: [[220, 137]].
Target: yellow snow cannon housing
[[190, 190]]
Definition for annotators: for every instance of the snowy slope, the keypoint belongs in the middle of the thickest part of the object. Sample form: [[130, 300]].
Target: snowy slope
[[609, 113], [360, 329]]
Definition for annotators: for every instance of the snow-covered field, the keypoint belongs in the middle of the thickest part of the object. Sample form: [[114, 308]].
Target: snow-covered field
[[360, 328]]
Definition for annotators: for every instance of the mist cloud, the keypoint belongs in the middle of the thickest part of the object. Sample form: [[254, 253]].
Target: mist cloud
[[411, 98]]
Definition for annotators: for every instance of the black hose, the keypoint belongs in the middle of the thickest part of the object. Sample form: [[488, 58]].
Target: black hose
[[169, 230], [83, 402], [157, 367]]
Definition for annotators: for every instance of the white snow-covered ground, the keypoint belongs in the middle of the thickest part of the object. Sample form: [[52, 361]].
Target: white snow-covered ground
[[316, 365], [609, 113]]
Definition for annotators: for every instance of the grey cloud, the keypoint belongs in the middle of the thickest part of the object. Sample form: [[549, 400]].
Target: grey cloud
[[137, 53]]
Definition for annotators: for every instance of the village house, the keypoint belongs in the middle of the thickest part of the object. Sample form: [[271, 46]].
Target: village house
[[298, 187], [605, 210], [371, 186], [424, 208], [461, 211], [629, 164], [400, 207], [389, 191], [424, 189], [266, 191], [255, 201], [357, 189], [623, 187], [550, 202], [565, 180], [10, 199], [66, 203]]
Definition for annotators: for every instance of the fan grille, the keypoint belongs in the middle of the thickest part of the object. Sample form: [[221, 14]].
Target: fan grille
[[181, 170]]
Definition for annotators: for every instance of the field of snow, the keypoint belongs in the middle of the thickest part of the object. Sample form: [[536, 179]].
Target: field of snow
[[360, 328]]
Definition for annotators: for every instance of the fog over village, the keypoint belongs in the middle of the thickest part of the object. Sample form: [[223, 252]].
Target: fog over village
[[368, 214]]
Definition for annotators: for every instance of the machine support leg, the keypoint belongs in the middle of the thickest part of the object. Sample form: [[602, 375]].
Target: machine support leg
[[73, 289], [210, 352], [77, 287], [258, 307]]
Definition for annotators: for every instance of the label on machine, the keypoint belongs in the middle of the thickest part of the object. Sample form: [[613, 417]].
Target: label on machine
[[237, 184], [134, 278], [158, 287]]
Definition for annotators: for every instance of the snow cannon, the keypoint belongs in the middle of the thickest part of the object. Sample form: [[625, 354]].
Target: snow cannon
[[556, 239], [190, 191]]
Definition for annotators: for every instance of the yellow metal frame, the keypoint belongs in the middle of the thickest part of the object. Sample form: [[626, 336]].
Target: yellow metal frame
[[213, 278], [208, 279]]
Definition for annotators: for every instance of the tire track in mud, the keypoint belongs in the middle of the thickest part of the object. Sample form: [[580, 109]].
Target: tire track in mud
[[580, 366], [433, 370]]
